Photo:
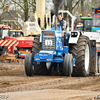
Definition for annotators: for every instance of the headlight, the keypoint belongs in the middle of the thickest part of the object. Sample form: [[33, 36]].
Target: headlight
[[74, 34], [48, 59], [37, 59]]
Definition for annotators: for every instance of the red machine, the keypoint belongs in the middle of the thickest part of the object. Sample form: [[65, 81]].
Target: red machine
[[9, 39], [25, 46], [6, 42]]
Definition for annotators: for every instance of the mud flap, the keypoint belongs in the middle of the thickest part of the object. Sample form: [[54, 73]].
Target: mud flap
[[93, 57]]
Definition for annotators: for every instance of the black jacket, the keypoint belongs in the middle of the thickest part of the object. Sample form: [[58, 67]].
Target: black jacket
[[63, 24]]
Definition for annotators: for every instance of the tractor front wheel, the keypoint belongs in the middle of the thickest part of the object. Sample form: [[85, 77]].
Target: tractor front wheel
[[68, 65], [29, 68]]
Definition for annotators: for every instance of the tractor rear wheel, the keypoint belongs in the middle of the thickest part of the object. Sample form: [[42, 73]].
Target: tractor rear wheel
[[68, 65], [81, 53], [39, 69]]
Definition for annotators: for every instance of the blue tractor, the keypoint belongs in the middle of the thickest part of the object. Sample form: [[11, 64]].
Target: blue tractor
[[65, 53], [68, 55]]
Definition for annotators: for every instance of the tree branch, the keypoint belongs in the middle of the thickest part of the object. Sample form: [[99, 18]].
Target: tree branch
[[18, 4], [3, 4], [76, 4]]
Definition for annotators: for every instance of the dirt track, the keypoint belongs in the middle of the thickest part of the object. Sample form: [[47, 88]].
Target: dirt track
[[13, 79]]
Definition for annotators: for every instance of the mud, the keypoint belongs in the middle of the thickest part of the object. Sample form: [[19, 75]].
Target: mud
[[14, 80]]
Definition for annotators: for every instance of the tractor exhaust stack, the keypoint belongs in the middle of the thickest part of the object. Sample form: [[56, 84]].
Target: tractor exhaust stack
[[56, 20], [57, 5]]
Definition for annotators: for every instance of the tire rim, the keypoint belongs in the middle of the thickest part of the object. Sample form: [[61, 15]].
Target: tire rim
[[87, 54], [48, 65], [72, 66], [33, 67]]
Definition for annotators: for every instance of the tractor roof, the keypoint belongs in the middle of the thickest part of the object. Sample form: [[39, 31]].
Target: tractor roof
[[87, 18]]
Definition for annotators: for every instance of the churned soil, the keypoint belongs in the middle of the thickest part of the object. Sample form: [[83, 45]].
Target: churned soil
[[18, 86]]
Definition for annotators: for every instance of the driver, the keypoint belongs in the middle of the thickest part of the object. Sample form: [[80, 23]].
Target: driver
[[62, 22]]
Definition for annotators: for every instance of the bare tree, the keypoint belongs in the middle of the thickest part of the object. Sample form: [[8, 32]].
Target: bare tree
[[82, 7], [26, 9], [71, 6], [25, 6]]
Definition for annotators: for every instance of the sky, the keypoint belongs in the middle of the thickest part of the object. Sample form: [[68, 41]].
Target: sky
[[49, 5]]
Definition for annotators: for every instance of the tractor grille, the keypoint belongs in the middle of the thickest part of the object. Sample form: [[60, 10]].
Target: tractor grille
[[50, 38]]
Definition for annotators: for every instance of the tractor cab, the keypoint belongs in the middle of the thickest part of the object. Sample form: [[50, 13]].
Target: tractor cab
[[96, 20], [85, 24], [91, 24], [4, 31]]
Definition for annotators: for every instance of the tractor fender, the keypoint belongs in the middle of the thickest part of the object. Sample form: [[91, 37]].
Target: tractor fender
[[74, 36]]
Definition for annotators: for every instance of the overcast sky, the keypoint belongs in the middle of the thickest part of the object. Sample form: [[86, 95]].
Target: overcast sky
[[49, 5]]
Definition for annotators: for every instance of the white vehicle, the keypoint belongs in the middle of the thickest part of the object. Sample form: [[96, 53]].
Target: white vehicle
[[38, 21]]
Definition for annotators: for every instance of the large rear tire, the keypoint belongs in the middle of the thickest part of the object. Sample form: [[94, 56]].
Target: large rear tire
[[81, 53], [39, 69]]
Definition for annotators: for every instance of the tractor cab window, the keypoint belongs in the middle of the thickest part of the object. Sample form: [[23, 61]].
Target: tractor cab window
[[96, 20], [5, 33], [15, 34], [87, 25], [78, 26]]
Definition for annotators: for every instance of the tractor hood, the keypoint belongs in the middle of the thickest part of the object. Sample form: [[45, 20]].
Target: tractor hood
[[93, 36]]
